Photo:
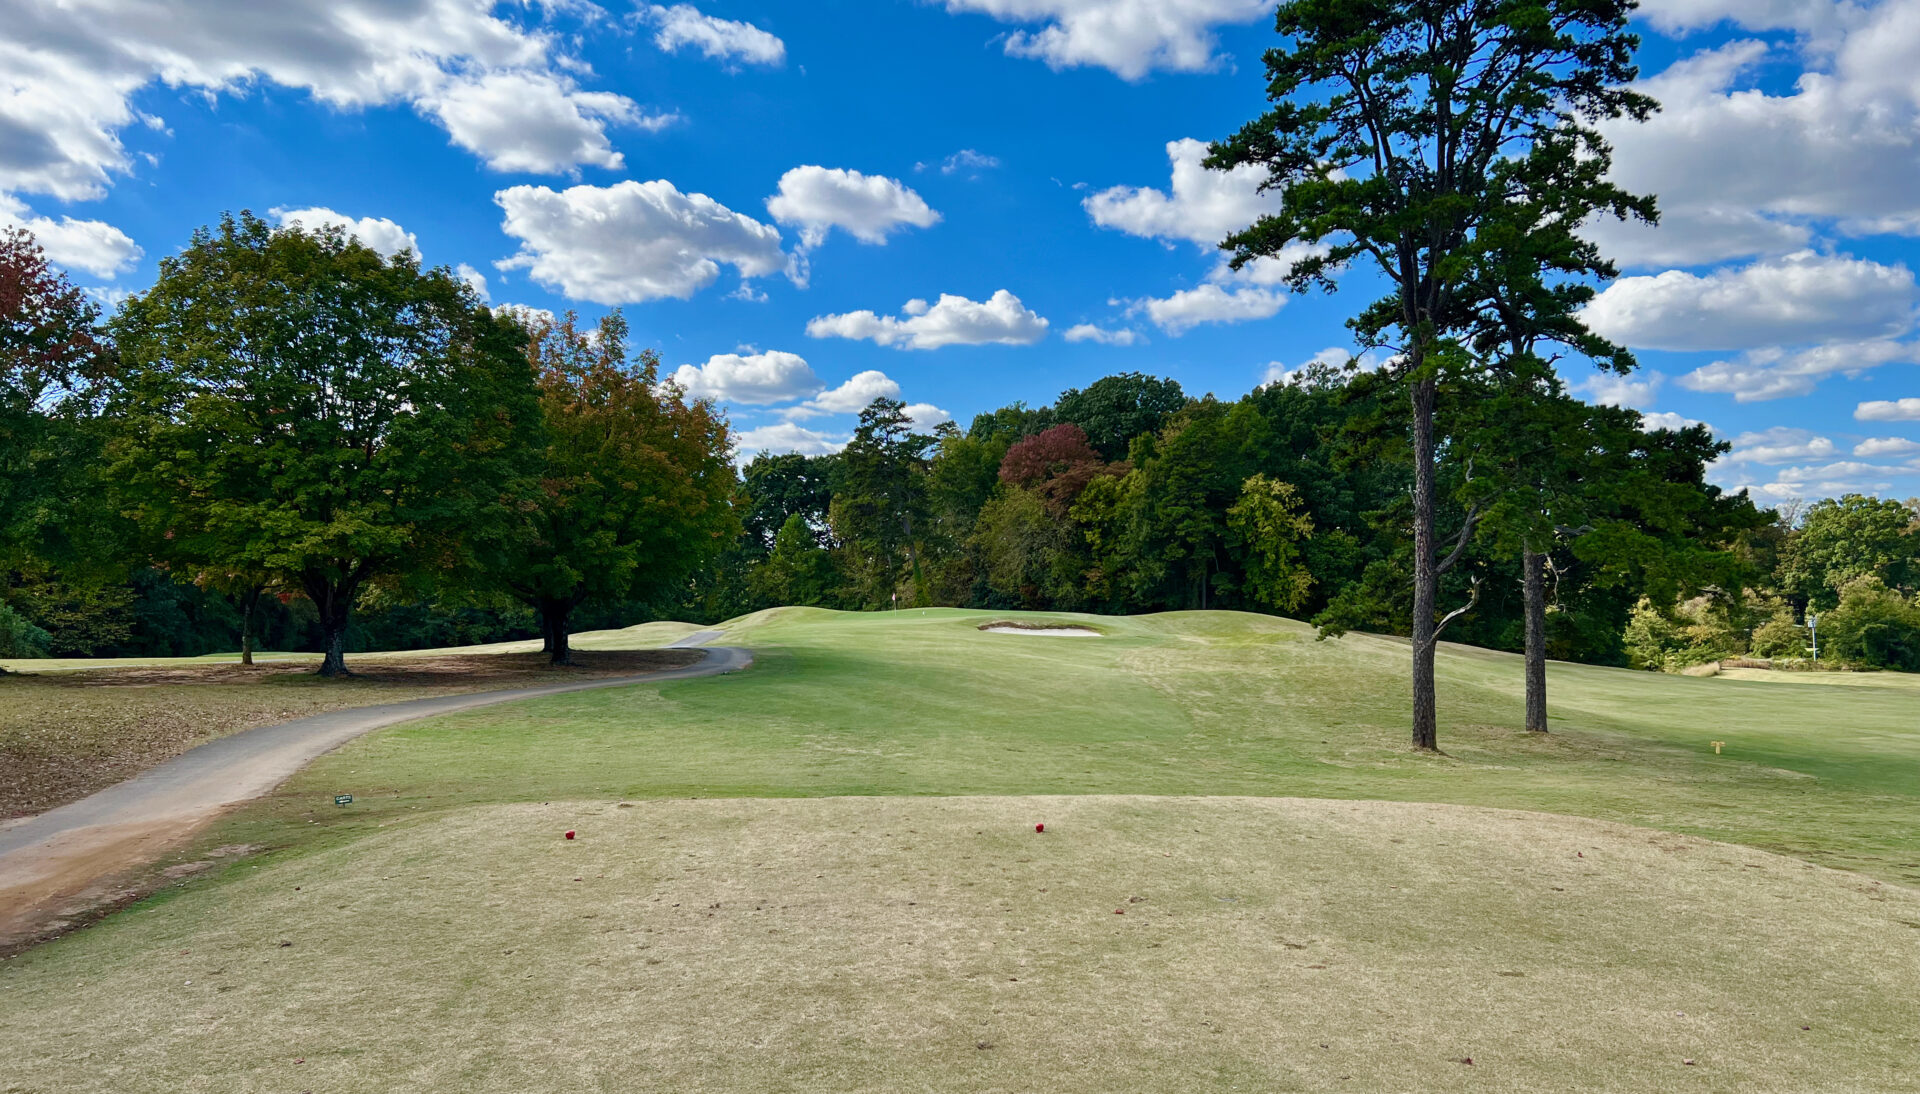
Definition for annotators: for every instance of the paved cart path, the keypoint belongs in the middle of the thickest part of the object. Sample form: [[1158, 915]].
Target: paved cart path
[[65, 861]]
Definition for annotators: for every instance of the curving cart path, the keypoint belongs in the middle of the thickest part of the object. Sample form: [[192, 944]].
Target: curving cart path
[[63, 862]]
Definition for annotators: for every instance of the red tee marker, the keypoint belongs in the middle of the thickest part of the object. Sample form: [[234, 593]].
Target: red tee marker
[[569, 833], [1039, 827]]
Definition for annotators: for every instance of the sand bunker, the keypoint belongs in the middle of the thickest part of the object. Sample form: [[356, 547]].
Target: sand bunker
[[1045, 632]]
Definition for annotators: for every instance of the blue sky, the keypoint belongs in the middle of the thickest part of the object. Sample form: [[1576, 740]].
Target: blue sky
[[969, 202]]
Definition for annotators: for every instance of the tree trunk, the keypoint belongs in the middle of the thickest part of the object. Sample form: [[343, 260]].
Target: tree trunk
[[1534, 565], [334, 602], [1426, 576], [546, 631], [334, 664], [246, 628], [913, 560], [553, 614]]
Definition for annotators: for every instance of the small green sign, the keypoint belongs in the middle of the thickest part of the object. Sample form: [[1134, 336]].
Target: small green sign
[[343, 799]]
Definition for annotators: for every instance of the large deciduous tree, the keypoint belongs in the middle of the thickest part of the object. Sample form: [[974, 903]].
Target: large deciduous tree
[[299, 407], [1844, 539], [48, 343], [1419, 137], [1270, 526], [51, 352], [1113, 410], [635, 483]]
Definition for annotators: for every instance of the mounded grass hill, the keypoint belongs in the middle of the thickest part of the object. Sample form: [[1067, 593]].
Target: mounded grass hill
[[1189, 703], [859, 901]]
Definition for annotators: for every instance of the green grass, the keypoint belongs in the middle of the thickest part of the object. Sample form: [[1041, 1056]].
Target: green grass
[[922, 703], [859, 902]]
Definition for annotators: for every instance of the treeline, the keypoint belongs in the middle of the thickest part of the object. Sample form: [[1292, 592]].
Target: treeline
[[1130, 497], [293, 442], [291, 438]]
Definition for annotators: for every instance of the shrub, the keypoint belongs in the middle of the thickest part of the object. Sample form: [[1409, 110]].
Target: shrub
[[1779, 638], [20, 638], [1692, 633], [1874, 626]]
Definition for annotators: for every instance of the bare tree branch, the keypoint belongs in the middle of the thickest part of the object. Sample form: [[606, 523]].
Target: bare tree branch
[[1466, 534], [1472, 599]]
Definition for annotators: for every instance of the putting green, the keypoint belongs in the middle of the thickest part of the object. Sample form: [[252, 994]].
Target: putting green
[[880, 944]]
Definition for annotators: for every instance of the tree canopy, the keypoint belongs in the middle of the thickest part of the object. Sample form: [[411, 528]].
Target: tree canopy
[[298, 406], [634, 481]]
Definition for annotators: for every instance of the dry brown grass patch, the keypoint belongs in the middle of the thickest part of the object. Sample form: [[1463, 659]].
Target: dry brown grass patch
[[65, 735], [875, 944]]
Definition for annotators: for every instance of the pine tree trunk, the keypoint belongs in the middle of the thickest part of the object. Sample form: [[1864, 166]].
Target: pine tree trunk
[[554, 613], [913, 561], [1426, 576], [1534, 564]]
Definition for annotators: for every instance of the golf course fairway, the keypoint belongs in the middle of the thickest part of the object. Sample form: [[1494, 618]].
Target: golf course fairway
[[824, 874]]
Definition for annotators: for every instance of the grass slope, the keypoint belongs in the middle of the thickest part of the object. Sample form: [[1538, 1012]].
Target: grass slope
[[923, 703], [861, 926], [882, 944]]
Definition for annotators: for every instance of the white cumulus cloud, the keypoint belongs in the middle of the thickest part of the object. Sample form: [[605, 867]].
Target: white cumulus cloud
[[1088, 332], [1795, 299], [1828, 480], [379, 233], [537, 122], [475, 280], [1744, 167], [1889, 410], [74, 71], [1636, 390], [1667, 419], [817, 200], [1878, 447], [1209, 303], [1774, 373], [1781, 444], [925, 417], [526, 315], [91, 245], [851, 397], [1331, 357], [1201, 206], [1129, 37], [717, 39], [968, 160], [758, 379], [784, 437], [953, 321], [632, 241]]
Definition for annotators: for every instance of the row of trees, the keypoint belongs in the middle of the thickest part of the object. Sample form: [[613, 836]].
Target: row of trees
[[237, 452], [295, 414], [1292, 500], [1851, 565]]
